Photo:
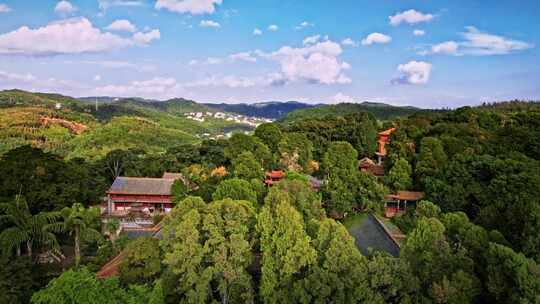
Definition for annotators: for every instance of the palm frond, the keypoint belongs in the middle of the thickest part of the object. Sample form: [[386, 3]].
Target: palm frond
[[12, 238], [57, 227], [90, 234]]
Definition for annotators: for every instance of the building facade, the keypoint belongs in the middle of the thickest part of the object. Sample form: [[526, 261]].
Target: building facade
[[142, 194]]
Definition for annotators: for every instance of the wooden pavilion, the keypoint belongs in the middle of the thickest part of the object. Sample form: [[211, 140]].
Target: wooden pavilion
[[397, 203]]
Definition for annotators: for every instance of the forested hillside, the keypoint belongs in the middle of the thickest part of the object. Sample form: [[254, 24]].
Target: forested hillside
[[380, 111], [233, 236], [274, 110], [73, 128]]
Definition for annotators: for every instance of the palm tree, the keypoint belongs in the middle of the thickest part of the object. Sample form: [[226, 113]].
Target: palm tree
[[111, 227], [78, 222], [26, 228]]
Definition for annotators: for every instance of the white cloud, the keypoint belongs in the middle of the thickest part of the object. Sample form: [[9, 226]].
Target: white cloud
[[376, 38], [146, 37], [243, 56], [410, 16], [209, 23], [122, 25], [349, 42], [30, 82], [8, 77], [257, 32], [342, 98], [207, 61], [273, 27], [413, 72], [448, 48], [419, 32], [194, 7], [4, 8], [230, 81], [303, 25], [111, 64], [70, 36], [481, 43], [97, 78], [64, 7], [158, 87], [106, 4], [213, 60], [317, 63], [312, 39]]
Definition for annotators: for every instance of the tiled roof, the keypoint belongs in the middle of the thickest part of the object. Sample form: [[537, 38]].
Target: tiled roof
[[368, 165], [365, 162], [278, 174], [387, 132], [112, 267], [175, 176], [406, 196], [141, 185]]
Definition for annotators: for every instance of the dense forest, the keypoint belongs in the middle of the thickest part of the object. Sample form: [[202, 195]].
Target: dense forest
[[274, 110], [232, 239]]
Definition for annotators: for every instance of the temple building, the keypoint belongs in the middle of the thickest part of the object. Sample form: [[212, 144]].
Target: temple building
[[397, 203], [368, 165], [146, 196], [273, 176], [384, 138]]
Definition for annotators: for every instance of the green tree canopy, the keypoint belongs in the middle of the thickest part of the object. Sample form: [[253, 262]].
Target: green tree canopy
[[210, 246], [340, 162], [301, 196], [270, 134], [296, 152], [286, 253], [236, 189], [83, 223], [82, 287], [427, 209], [399, 176], [239, 143], [26, 229], [46, 181], [142, 261], [431, 158], [445, 274], [247, 167], [391, 279], [339, 273], [512, 278]]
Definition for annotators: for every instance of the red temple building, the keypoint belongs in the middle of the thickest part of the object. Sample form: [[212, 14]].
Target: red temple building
[[397, 203], [146, 195], [368, 165], [273, 176], [384, 138]]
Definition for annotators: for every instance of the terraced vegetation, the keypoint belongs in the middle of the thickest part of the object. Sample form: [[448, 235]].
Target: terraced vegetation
[[52, 122], [378, 110]]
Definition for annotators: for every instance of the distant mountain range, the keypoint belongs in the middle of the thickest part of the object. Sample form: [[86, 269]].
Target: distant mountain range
[[381, 111], [272, 109], [290, 110], [82, 127], [277, 110]]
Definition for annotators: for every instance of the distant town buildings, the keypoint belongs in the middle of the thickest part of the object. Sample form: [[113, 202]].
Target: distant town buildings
[[237, 118]]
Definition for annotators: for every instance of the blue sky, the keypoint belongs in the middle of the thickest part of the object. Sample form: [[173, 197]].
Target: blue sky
[[422, 53]]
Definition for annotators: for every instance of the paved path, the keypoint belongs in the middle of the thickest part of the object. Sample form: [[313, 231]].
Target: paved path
[[369, 234]]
